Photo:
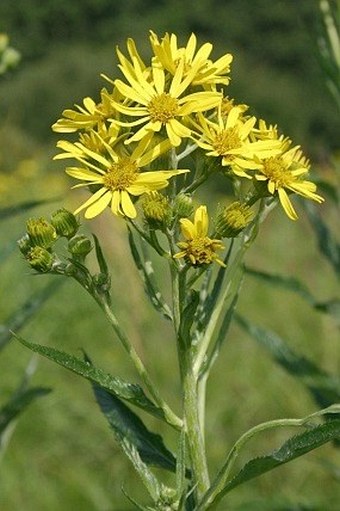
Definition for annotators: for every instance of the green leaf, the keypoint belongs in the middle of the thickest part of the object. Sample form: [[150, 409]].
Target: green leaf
[[140, 445], [324, 387], [127, 425], [293, 448], [146, 272], [331, 307], [187, 318], [118, 387], [328, 245], [100, 257], [18, 403], [16, 209], [284, 282], [26, 311]]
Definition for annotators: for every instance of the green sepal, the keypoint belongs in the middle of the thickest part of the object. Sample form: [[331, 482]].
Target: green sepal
[[127, 425], [131, 393], [293, 448], [324, 387]]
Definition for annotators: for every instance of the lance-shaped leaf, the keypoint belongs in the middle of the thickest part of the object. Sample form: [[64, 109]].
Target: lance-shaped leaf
[[100, 258], [293, 448], [187, 319], [328, 245], [131, 393], [146, 272], [18, 402], [26, 311], [324, 387], [127, 426], [331, 307], [16, 209]]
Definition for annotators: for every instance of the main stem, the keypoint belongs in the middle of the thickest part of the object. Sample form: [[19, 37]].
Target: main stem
[[195, 438]]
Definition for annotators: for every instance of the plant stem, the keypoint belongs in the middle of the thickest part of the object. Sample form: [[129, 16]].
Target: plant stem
[[169, 415], [192, 421], [194, 431]]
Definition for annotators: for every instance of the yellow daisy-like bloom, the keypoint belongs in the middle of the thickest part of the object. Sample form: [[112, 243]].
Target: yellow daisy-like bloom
[[228, 104], [284, 172], [198, 248], [125, 64], [117, 173], [87, 116], [208, 72], [228, 138], [159, 104]]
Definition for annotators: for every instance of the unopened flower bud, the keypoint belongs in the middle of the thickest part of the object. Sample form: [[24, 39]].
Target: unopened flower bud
[[156, 209], [80, 245], [40, 259], [24, 244], [232, 219], [183, 206], [41, 233], [65, 223]]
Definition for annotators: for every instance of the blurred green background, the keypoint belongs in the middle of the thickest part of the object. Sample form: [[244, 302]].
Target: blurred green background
[[62, 455]]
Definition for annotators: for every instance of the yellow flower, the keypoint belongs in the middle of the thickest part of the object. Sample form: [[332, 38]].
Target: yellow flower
[[228, 138], [228, 104], [284, 172], [159, 103], [198, 248], [207, 72], [88, 116], [136, 60], [117, 173]]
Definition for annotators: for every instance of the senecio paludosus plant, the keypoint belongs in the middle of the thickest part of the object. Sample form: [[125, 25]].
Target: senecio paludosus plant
[[157, 137]]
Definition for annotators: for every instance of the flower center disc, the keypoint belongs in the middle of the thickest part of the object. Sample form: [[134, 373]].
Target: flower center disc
[[202, 250], [275, 170], [163, 108], [121, 175], [226, 140]]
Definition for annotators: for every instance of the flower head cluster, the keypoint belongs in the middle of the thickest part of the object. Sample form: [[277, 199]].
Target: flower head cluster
[[131, 141]]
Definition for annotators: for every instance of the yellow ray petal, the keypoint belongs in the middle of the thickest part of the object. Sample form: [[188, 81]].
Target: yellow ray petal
[[98, 206], [127, 206]]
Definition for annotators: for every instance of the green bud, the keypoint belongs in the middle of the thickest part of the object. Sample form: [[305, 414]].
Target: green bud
[[183, 206], [79, 245], [65, 223], [156, 209], [40, 259], [232, 219], [24, 244], [41, 233], [168, 500]]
